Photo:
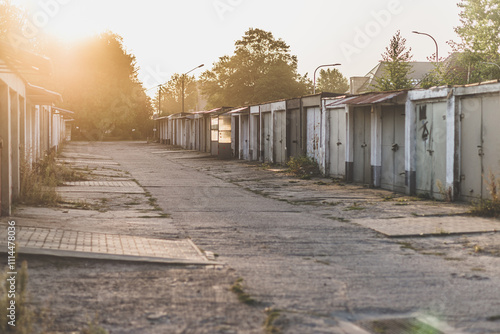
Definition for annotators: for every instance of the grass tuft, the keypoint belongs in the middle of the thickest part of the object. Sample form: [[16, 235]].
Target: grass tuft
[[243, 297], [303, 167]]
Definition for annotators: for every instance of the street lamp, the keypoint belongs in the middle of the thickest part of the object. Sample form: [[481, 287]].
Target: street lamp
[[423, 33], [314, 83], [182, 81]]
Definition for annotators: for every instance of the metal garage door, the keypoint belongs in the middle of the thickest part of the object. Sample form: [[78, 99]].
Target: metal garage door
[[313, 132], [480, 145], [337, 142], [362, 145], [393, 149], [266, 136], [280, 137], [431, 149]]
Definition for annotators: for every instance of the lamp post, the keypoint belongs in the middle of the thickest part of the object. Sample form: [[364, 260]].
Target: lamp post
[[182, 83], [314, 82], [423, 33]]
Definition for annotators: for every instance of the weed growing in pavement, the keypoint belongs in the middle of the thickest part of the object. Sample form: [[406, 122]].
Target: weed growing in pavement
[[38, 180], [94, 328], [303, 167], [269, 327], [446, 194], [489, 207], [354, 207], [243, 297]]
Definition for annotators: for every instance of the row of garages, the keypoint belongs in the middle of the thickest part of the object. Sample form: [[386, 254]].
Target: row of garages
[[437, 142], [30, 125]]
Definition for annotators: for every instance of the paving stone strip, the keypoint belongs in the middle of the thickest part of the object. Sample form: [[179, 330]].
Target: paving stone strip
[[424, 226], [67, 243]]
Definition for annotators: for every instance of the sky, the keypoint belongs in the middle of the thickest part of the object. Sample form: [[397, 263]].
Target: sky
[[174, 36]]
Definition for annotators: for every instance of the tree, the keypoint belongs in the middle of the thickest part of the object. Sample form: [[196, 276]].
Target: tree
[[261, 69], [480, 27], [98, 81], [396, 66], [331, 80], [476, 54], [171, 95]]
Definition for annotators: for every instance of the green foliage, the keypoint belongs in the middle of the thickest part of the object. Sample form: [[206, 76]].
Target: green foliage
[[331, 80], [24, 315], [475, 57], [303, 167], [261, 69], [396, 66], [171, 95], [480, 27]]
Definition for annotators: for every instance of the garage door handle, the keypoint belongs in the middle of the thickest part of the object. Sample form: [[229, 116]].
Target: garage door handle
[[480, 150], [339, 143], [364, 145], [395, 147], [294, 142], [430, 151]]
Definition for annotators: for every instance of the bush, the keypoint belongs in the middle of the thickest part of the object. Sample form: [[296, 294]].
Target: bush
[[303, 167]]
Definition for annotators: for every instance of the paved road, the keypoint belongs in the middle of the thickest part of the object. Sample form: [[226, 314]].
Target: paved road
[[317, 269]]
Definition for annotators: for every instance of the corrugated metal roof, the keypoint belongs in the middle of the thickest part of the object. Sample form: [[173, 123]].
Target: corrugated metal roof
[[369, 98], [64, 111], [41, 95], [243, 110]]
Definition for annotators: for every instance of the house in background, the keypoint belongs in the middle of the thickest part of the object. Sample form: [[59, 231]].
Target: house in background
[[359, 85]]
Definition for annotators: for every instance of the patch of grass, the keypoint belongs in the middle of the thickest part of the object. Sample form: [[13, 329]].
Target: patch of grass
[[433, 253], [94, 328], [453, 259], [339, 219], [354, 207], [407, 245], [388, 198], [494, 318], [269, 327], [321, 183], [237, 288], [303, 167], [331, 203]]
